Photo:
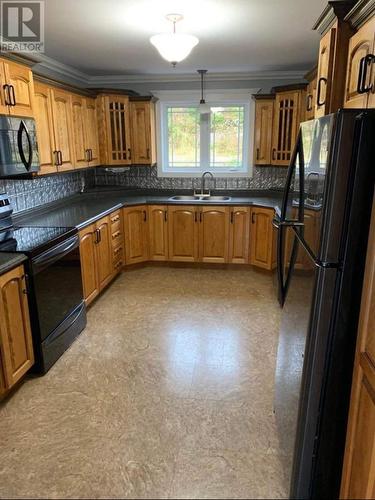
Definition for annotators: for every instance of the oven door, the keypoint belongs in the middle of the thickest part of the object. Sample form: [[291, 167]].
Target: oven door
[[57, 285]]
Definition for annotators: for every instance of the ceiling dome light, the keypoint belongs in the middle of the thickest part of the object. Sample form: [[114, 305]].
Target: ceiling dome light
[[174, 47]]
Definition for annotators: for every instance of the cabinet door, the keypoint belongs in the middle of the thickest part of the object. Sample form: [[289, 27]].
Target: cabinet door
[[183, 233], [15, 331], [87, 249], [136, 234], [310, 100], [62, 125], [213, 234], [79, 132], [21, 78], [360, 45], [4, 109], [324, 77], [91, 128], [262, 238], [141, 132], [239, 235], [158, 232], [104, 252], [285, 126], [118, 130], [44, 129], [263, 131]]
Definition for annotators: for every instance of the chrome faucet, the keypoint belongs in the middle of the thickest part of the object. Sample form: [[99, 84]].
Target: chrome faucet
[[203, 179]]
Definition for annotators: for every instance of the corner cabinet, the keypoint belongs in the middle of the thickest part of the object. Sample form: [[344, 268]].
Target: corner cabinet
[[143, 135], [158, 232], [262, 238], [16, 348], [263, 128]]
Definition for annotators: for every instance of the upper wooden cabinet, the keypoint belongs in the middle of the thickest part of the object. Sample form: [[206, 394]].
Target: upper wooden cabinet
[[239, 235], [17, 89], [158, 232], [333, 50], [213, 234], [263, 128], [92, 132], [63, 128], [16, 349], [143, 140], [262, 238], [311, 77], [288, 113], [85, 127], [360, 75], [114, 129], [136, 234]]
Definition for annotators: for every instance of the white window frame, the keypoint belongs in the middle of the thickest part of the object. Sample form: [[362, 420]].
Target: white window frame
[[215, 99]]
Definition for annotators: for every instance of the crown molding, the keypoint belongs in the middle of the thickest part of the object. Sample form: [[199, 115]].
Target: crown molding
[[64, 71]]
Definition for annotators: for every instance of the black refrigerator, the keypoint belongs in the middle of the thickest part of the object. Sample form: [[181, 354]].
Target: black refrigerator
[[322, 227]]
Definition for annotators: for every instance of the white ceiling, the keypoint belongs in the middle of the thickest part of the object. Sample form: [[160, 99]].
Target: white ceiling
[[111, 37]]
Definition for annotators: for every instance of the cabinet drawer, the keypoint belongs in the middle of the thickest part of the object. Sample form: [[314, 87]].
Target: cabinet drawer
[[116, 217], [118, 253], [115, 227], [116, 238]]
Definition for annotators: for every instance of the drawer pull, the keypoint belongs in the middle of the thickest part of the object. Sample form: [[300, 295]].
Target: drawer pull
[[119, 264], [116, 235], [115, 219], [117, 251]]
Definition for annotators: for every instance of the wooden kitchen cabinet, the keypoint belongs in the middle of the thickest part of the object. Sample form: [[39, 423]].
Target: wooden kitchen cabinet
[[16, 347], [117, 238], [96, 258], [333, 49], [136, 234], [361, 44], [262, 238], [143, 136], [263, 128], [114, 129], [310, 99], [239, 235], [287, 116], [183, 233], [63, 127], [44, 129], [158, 232], [85, 132], [91, 131], [213, 234], [18, 97]]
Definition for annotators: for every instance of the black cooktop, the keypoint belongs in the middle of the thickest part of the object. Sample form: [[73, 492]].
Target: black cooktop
[[33, 240]]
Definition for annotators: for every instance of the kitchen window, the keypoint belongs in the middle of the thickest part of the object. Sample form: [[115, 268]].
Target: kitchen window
[[190, 143]]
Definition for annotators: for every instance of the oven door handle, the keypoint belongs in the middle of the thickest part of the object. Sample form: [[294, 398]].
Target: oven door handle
[[58, 252]]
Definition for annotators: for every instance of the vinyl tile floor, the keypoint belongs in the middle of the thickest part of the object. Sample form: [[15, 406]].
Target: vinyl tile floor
[[168, 393]]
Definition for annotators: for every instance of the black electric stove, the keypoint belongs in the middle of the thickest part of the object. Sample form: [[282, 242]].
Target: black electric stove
[[55, 293]]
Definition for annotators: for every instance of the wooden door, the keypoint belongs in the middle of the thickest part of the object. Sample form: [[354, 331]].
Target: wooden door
[[239, 235], [91, 128], [358, 480], [262, 238], [360, 45], [4, 109], [141, 132], [104, 252], [15, 331], [285, 126], [21, 78], [213, 234], [118, 130], [183, 233], [158, 232], [62, 125], [310, 100], [136, 234], [44, 129], [79, 132], [89, 264], [263, 131], [324, 76]]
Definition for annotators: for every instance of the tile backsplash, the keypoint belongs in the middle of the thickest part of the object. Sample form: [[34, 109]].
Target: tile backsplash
[[30, 193], [146, 177]]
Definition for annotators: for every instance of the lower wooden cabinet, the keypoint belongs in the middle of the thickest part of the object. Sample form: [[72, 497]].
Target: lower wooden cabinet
[[16, 347], [96, 258], [136, 234], [158, 232], [262, 238], [213, 234], [239, 229], [183, 233]]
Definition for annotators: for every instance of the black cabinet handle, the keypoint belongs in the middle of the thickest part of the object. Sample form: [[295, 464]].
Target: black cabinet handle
[[60, 157], [200, 216], [195, 216], [55, 154], [257, 154], [129, 154], [96, 236], [87, 155], [366, 61], [144, 216], [165, 216], [309, 101], [13, 95], [7, 99], [320, 81], [231, 217], [253, 218]]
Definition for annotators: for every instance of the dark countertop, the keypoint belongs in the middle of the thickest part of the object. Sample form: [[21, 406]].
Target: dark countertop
[[10, 260], [83, 209]]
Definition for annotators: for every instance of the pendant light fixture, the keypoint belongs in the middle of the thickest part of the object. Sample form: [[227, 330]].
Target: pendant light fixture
[[204, 108], [174, 47]]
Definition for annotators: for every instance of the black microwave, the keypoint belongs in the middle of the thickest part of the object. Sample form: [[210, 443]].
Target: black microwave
[[18, 147]]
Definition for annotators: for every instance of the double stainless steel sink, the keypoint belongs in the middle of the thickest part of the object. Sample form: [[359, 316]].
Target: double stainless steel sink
[[202, 198]]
